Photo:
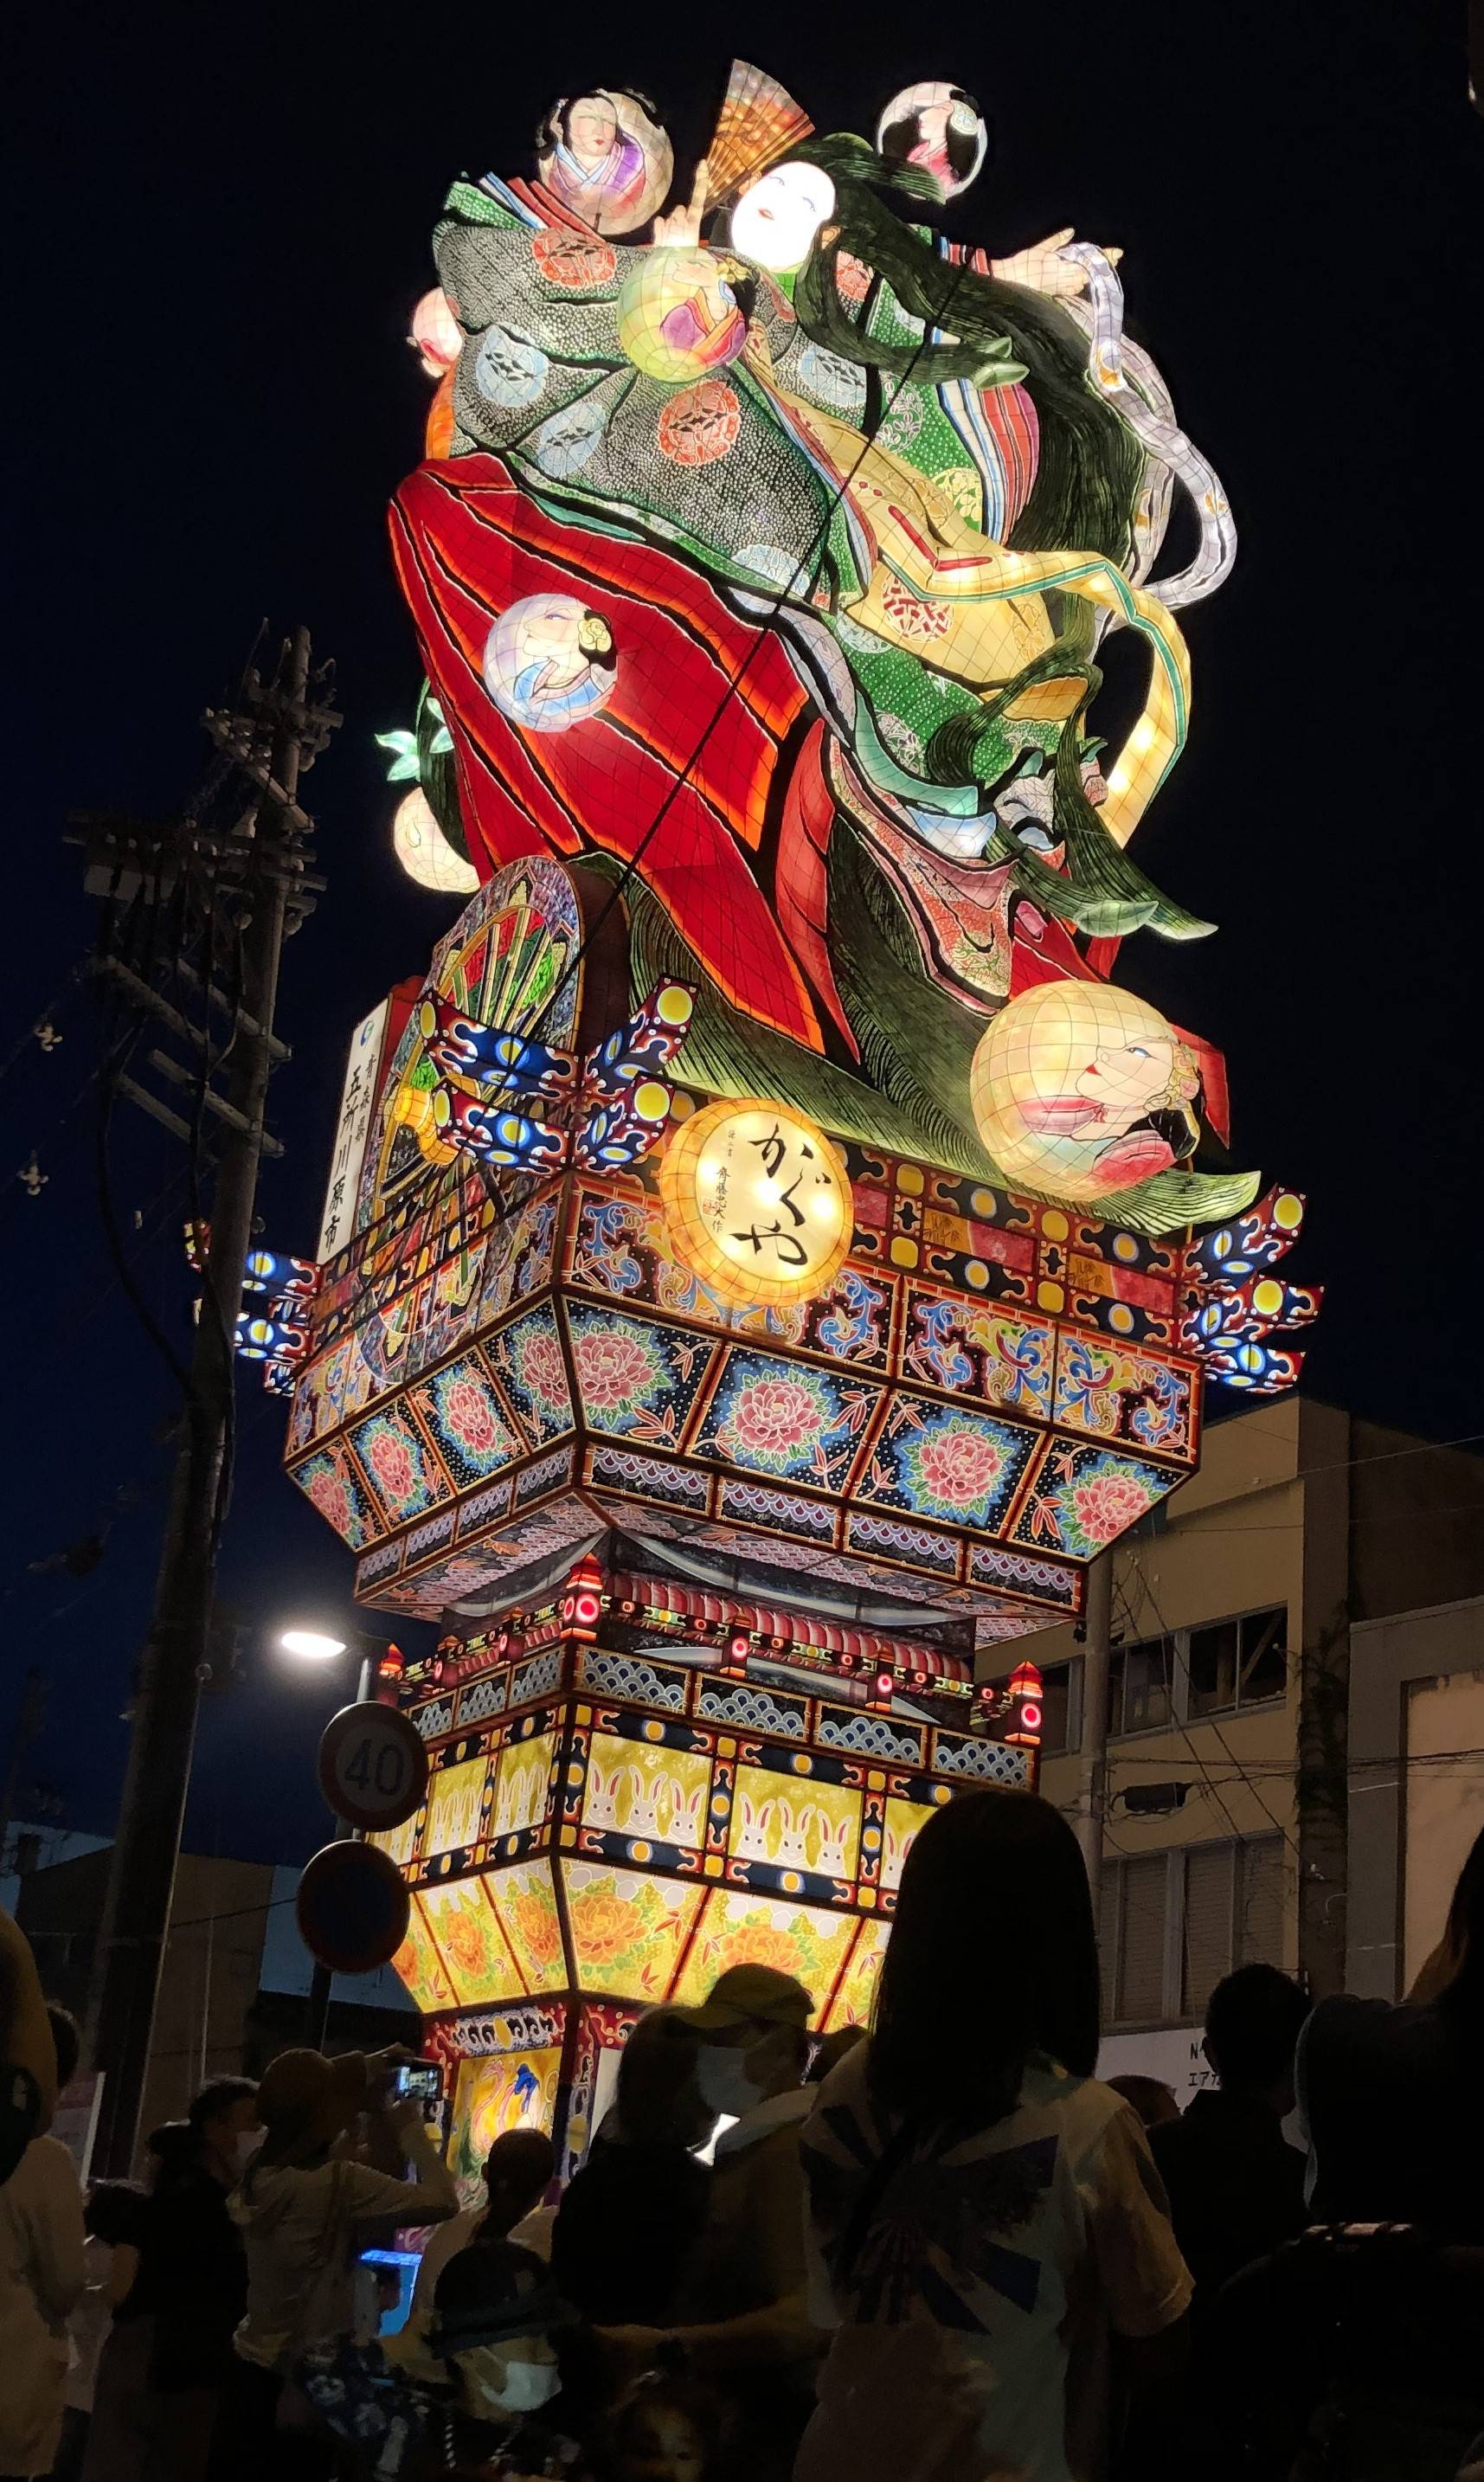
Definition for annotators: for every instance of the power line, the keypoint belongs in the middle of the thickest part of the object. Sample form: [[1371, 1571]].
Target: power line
[[769, 614], [1165, 1641]]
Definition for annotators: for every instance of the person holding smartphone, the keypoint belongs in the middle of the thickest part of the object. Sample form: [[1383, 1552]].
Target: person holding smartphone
[[303, 2207]]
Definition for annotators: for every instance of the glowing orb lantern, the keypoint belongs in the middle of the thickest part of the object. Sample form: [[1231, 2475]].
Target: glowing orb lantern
[[678, 317], [758, 1204], [1082, 1090], [425, 852]]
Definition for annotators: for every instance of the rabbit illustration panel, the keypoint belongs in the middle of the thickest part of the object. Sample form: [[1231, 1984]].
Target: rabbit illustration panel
[[796, 1823], [636, 1788]]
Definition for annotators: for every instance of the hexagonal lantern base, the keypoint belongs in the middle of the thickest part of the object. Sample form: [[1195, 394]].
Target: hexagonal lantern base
[[638, 1784]]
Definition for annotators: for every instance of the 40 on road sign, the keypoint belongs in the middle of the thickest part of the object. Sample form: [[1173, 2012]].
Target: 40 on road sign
[[373, 1767]]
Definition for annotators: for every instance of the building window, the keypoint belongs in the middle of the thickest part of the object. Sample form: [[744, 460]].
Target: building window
[[1219, 1668], [1237, 1663], [1061, 1707], [1175, 1924], [1148, 1686], [1142, 1896]]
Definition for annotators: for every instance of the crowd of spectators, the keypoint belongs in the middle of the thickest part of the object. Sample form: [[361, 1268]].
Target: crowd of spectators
[[941, 2251]]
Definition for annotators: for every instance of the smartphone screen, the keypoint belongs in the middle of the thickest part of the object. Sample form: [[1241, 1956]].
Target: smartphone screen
[[419, 2081]]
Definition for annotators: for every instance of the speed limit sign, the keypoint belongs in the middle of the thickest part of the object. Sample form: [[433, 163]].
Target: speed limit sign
[[373, 1767]]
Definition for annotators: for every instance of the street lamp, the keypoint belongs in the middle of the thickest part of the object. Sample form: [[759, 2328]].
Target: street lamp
[[314, 1645]]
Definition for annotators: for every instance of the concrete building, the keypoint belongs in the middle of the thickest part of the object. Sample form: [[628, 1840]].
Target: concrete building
[[1417, 1784], [235, 1981], [1238, 1617], [210, 1975]]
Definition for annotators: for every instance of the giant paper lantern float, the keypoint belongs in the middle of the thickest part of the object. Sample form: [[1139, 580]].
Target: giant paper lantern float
[[768, 1256]]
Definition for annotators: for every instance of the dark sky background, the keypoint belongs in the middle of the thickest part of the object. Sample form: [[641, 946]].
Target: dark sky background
[[218, 224]]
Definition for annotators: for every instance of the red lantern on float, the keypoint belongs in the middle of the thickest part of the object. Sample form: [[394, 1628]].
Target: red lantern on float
[[582, 1605], [1026, 1707]]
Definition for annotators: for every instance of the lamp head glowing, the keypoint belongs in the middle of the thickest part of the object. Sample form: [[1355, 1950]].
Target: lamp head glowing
[[314, 1646]]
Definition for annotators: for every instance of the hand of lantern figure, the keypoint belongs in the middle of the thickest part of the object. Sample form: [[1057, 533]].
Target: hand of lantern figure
[[1042, 269], [682, 225]]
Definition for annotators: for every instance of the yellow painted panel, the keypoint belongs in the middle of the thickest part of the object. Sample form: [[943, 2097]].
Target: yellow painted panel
[[525, 1902], [523, 1784], [398, 1843], [454, 1799], [904, 1819], [418, 1965], [468, 1937], [796, 1823], [628, 1929], [500, 2091], [742, 1928], [852, 2004], [638, 1789]]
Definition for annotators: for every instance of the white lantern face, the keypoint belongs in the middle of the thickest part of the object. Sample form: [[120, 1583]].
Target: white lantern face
[[774, 224]]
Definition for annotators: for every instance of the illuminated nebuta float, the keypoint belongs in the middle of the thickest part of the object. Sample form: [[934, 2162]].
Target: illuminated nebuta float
[[759, 1268]]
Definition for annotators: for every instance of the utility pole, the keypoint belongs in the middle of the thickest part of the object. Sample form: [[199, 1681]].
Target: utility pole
[[245, 883], [1093, 1779]]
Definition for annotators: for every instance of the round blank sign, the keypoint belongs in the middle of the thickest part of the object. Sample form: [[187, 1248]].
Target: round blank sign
[[353, 1907], [373, 1767]]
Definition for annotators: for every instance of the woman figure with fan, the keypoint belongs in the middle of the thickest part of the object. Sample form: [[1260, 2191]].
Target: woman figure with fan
[[953, 665]]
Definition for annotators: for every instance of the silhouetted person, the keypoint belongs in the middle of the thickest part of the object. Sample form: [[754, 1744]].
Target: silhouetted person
[[629, 2222], [304, 2208], [1393, 2098], [742, 2319], [28, 2058], [41, 2279], [1391, 2093], [1234, 2184], [517, 2167], [179, 2286], [985, 2212]]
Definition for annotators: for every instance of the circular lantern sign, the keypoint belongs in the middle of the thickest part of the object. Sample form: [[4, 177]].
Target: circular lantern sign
[[353, 1907], [373, 1768], [756, 1202]]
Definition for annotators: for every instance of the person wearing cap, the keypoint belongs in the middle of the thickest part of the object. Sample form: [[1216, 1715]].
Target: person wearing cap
[[743, 2323], [303, 2208]]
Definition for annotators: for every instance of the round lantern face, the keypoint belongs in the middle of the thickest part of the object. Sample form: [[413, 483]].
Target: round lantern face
[[1082, 1090], [549, 662], [605, 159], [774, 222], [678, 317], [757, 1204], [938, 128]]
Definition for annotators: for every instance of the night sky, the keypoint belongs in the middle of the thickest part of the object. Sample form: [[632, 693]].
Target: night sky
[[220, 223]]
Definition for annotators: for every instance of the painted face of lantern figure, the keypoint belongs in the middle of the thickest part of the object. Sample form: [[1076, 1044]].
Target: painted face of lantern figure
[[938, 127], [1123, 1079], [605, 158], [592, 130], [774, 222], [1081, 1090], [549, 661]]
